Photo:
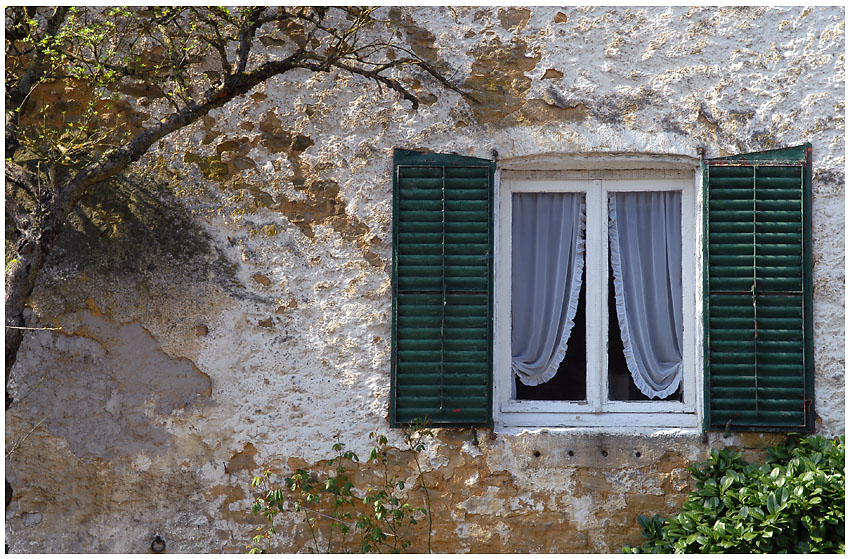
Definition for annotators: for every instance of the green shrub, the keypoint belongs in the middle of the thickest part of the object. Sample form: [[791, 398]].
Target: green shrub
[[792, 503]]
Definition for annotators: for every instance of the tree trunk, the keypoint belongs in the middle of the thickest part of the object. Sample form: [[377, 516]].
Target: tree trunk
[[37, 240]]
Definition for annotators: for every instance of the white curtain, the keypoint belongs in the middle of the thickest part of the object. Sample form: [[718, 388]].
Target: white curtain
[[644, 230], [547, 261]]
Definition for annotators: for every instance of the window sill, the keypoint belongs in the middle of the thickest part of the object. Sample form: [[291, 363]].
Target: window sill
[[643, 431], [626, 422]]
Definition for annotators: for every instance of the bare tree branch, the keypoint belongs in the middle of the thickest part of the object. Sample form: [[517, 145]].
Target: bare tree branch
[[16, 213], [393, 84], [166, 48], [246, 37]]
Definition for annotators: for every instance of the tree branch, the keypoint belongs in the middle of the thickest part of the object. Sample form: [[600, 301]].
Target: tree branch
[[16, 213], [393, 84], [116, 160], [438, 76], [21, 178], [35, 70], [218, 44], [246, 37]]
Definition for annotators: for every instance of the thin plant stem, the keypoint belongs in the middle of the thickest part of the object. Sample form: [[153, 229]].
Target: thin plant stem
[[424, 489]]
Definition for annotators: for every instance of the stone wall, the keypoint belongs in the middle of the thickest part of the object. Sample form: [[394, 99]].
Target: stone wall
[[225, 306]]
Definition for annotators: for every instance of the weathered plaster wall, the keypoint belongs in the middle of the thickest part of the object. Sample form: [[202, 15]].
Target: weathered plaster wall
[[227, 304]]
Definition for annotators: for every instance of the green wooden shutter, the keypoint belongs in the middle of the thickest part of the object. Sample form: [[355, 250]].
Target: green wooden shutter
[[758, 291], [442, 285]]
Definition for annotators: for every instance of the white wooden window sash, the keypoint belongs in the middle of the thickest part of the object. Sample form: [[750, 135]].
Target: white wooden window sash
[[597, 410]]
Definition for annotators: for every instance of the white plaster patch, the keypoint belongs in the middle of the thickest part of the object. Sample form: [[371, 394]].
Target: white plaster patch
[[471, 449], [487, 503], [142, 462], [579, 510]]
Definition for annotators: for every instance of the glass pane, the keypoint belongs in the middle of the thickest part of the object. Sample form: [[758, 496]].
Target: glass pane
[[620, 383], [570, 382], [547, 233]]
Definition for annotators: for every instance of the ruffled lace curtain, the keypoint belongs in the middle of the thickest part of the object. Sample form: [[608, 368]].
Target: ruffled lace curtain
[[547, 262], [644, 232], [548, 236]]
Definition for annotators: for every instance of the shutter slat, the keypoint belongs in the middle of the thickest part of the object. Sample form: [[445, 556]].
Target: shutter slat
[[763, 215], [435, 344], [715, 205], [466, 193], [731, 322], [480, 171], [734, 368], [778, 194], [456, 209], [732, 334], [780, 335], [770, 183], [451, 372], [732, 227], [774, 394], [764, 228], [732, 239], [730, 259], [765, 323], [409, 173], [777, 205], [731, 271], [730, 381], [446, 417], [417, 205], [421, 194], [416, 216], [446, 400], [449, 271], [429, 378], [730, 357], [435, 260], [733, 284], [421, 227]]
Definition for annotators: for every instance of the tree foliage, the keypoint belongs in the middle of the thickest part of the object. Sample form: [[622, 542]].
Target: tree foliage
[[75, 76], [793, 503]]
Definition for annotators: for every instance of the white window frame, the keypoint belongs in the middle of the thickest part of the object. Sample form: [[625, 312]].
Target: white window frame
[[597, 412]]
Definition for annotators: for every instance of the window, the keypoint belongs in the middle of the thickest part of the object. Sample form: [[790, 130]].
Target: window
[[630, 335], [595, 299]]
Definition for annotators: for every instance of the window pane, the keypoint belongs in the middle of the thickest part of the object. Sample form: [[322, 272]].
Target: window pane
[[644, 287], [620, 383], [547, 271], [570, 383]]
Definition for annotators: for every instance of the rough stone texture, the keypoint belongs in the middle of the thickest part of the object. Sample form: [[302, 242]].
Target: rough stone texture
[[226, 305]]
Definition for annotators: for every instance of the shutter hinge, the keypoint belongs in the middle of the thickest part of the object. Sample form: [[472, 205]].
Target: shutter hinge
[[726, 430]]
